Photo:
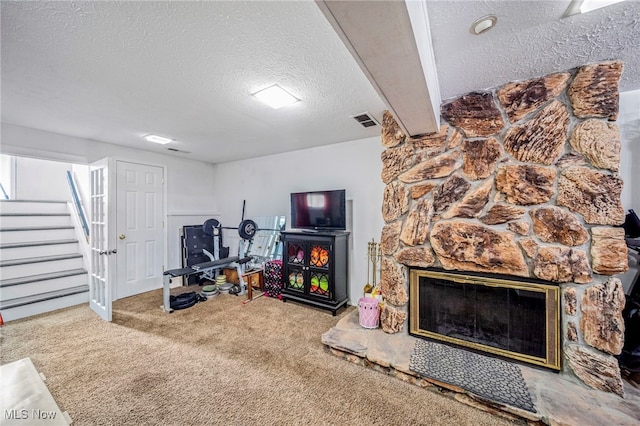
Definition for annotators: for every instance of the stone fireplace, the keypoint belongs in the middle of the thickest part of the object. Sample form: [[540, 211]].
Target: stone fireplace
[[520, 181]]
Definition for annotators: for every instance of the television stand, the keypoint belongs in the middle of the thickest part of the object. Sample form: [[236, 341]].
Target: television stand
[[315, 268]]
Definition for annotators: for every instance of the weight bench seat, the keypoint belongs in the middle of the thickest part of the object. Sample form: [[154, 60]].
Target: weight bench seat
[[205, 266], [179, 272], [215, 264]]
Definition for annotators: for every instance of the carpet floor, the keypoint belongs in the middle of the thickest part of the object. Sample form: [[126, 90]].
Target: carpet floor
[[218, 362]]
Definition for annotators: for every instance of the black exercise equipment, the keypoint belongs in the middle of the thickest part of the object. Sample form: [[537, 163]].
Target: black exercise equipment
[[205, 268], [183, 301], [629, 359], [194, 242], [632, 225], [247, 228], [211, 227], [210, 235]]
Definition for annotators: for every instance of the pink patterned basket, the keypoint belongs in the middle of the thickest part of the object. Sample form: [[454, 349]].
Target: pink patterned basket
[[368, 312]]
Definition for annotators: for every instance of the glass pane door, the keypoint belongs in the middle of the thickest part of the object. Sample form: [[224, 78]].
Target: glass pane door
[[296, 258], [319, 269]]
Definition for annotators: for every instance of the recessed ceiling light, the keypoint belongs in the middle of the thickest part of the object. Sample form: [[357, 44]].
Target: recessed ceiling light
[[276, 97], [157, 139], [584, 6], [483, 24]]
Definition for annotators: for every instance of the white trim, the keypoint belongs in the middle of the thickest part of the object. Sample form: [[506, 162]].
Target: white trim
[[419, 18], [400, 83]]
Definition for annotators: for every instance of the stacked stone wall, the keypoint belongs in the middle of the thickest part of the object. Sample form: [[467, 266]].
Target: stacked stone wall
[[520, 180]]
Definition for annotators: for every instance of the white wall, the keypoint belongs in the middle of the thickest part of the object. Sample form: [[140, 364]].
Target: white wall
[[37, 179], [629, 123], [7, 167], [266, 183], [189, 188]]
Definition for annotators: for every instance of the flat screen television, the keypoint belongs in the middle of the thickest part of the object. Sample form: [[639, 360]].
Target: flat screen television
[[319, 210]]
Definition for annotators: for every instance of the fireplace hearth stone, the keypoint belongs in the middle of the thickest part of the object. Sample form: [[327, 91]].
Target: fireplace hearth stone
[[485, 376], [557, 399]]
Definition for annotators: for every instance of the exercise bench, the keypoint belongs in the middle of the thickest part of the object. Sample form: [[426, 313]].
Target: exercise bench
[[205, 268]]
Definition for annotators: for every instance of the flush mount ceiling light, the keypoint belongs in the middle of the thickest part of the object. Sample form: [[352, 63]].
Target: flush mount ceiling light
[[275, 96], [584, 6], [157, 139], [483, 24]]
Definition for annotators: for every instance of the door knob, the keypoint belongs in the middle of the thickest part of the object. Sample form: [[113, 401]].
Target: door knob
[[121, 236]]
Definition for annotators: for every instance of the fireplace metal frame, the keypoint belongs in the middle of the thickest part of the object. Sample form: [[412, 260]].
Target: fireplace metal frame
[[552, 307]]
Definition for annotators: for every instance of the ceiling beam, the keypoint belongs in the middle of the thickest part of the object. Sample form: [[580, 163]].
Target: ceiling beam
[[391, 42]]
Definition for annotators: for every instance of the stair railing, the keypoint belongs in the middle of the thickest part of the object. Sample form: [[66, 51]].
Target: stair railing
[[4, 193], [78, 204]]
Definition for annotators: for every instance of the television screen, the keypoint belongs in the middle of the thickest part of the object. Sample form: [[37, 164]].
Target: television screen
[[319, 210]]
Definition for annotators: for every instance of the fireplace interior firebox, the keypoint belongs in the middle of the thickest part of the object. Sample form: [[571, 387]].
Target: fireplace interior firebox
[[508, 316]]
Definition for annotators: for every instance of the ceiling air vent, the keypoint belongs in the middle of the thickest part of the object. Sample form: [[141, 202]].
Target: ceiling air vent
[[365, 119], [178, 150]]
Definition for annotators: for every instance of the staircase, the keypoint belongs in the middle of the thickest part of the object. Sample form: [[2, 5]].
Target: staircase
[[41, 266]]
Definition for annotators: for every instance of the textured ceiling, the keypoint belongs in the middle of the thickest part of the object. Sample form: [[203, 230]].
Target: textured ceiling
[[114, 71], [531, 39]]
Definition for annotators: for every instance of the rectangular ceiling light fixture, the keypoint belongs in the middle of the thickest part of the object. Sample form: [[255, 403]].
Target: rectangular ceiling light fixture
[[275, 96], [584, 6], [157, 139]]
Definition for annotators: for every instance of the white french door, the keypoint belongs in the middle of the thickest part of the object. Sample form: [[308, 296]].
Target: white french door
[[140, 228], [102, 260]]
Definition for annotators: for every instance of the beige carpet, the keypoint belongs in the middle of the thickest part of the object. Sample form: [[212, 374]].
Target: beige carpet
[[219, 362]]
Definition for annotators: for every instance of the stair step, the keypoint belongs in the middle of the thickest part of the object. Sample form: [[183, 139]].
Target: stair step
[[29, 260], [35, 244], [33, 234], [32, 220], [24, 267], [33, 206], [40, 266], [33, 305], [12, 201], [35, 284], [21, 301], [3, 214], [33, 228], [21, 249], [41, 277]]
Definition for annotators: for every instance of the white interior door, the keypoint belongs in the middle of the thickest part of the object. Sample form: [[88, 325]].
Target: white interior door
[[101, 266], [140, 227]]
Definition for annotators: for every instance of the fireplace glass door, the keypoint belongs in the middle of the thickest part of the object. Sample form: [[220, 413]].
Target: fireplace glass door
[[502, 316]]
